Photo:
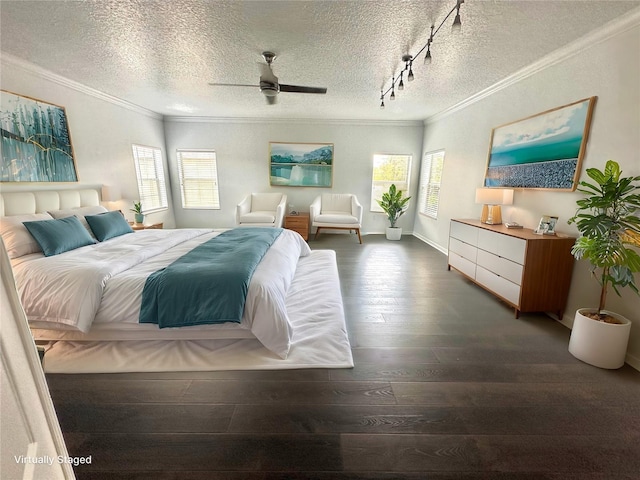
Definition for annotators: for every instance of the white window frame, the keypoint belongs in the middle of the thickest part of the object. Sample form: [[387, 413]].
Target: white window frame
[[383, 185], [199, 190], [430, 182], [152, 187]]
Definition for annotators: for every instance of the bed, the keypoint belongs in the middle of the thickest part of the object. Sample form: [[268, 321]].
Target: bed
[[94, 292]]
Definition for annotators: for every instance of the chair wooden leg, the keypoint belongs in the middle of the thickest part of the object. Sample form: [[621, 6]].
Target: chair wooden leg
[[317, 232], [359, 237]]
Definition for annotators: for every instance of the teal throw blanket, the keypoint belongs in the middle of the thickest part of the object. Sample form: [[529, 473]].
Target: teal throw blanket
[[209, 284]]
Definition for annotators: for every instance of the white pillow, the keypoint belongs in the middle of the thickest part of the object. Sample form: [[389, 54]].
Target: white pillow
[[17, 239], [79, 212]]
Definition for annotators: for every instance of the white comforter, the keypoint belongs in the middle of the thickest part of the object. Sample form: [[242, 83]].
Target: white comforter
[[104, 282]]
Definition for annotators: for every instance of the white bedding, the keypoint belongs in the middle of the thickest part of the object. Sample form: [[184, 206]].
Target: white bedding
[[102, 284]]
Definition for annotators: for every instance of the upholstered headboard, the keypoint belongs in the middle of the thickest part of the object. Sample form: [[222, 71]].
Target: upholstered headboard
[[21, 203]]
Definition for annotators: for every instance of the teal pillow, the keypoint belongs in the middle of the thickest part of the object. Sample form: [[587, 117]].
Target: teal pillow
[[108, 225], [58, 236]]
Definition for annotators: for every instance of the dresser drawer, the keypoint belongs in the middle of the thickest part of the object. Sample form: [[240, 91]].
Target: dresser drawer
[[502, 267], [465, 233], [499, 285], [463, 249], [502, 245], [462, 265]]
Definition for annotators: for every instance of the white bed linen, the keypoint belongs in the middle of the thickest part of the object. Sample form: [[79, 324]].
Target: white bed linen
[[103, 283]]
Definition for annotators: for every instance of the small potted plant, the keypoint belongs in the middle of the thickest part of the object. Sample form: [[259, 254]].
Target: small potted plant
[[137, 209], [394, 205], [609, 228]]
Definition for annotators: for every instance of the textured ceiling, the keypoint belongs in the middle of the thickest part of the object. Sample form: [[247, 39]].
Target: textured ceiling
[[161, 55]]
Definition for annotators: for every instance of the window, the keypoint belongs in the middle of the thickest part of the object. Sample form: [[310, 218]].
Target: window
[[198, 179], [388, 169], [151, 184], [430, 179]]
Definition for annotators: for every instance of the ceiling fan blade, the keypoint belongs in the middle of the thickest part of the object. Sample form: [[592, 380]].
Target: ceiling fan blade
[[299, 89], [271, 100], [232, 85]]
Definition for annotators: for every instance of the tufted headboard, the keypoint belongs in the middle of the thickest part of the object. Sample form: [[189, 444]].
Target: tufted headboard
[[21, 203]]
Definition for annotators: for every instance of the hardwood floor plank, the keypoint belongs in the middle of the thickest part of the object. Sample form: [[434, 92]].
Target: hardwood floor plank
[[447, 385]]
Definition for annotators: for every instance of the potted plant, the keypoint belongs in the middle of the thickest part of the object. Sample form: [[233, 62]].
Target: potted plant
[[394, 205], [609, 228], [137, 209]]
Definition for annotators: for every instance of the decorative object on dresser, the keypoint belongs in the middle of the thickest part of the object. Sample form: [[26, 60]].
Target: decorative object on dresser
[[609, 228], [298, 222], [394, 205], [491, 199], [541, 151], [547, 225], [532, 273]]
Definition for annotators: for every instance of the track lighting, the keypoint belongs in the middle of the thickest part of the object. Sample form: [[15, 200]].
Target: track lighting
[[408, 59]]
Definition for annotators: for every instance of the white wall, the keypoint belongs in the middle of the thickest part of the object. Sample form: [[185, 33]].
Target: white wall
[[609, 70], [102, 132], [242, 151]]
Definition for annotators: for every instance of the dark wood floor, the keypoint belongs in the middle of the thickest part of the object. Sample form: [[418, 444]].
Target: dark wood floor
[[447, 385]]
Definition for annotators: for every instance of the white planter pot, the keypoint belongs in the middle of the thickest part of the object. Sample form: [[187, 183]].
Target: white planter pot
[[599, 344], [394, 233]]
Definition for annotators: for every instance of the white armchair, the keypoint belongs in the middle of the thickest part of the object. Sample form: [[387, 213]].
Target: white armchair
[[340, 211], [261, 210]]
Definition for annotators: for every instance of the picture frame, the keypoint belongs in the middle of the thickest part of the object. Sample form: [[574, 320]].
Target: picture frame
[[36, 143], [543, 151], [300, 164], [547, 225]]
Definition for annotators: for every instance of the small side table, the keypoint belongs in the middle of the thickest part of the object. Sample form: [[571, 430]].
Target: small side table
[[298, 223], [140, 226]]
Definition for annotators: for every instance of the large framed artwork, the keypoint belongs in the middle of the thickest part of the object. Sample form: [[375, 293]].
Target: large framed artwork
[[301, 164], [36, 144], [543, 151]]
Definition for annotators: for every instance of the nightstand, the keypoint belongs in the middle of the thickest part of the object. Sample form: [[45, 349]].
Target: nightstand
[[298, 223], [152, 226]]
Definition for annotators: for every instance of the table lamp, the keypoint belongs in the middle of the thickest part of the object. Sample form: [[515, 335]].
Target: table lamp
[[491, 199]]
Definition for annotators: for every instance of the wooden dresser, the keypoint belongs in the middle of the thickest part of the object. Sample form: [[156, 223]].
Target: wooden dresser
[[298, 223], [530, 272]]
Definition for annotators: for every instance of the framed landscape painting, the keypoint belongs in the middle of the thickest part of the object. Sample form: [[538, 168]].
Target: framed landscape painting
[[543, 151], [301, 164], [36, 145]]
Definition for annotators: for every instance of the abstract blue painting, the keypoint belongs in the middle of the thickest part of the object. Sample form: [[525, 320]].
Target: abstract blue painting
[[301, 164], [542, 151], [36, 145]]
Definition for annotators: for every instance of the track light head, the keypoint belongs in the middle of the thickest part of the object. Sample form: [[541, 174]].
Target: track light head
[[410, 77]]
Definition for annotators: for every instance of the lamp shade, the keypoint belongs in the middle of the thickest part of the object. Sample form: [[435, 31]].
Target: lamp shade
[[110, 193], [494, 196]]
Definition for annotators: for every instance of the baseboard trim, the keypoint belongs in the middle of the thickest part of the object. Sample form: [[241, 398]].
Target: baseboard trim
[[441, 249]]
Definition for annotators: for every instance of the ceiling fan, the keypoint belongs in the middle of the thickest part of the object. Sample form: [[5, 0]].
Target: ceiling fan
[[269, 85]]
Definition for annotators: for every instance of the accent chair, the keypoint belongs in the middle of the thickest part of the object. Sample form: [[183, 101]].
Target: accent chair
[[340, 211], [261, 210]]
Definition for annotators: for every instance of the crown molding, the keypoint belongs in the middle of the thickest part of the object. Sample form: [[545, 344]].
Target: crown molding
[[8, 59], [613, 28], [306, 121]]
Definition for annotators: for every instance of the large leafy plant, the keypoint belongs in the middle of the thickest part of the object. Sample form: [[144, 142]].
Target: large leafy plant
[[609, 228], [393, 204]]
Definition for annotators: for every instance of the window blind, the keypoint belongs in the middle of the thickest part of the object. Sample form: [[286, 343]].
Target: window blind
[[430, 180], [150, 173], [198, 179]]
